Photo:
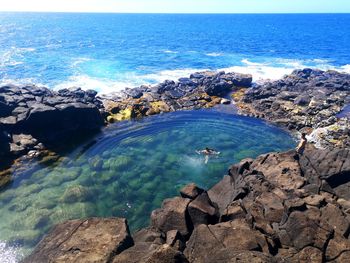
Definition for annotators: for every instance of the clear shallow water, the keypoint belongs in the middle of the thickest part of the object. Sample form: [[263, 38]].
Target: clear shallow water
[[128, 170], [110, 51]]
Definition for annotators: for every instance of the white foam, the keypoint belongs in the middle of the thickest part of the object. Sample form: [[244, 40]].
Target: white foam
[[86, 82], [21, 82], [170, 51], [214, 54], [130, 80], [9, 254], [277, 68], [169, 74], [345, 68], [261, 71]]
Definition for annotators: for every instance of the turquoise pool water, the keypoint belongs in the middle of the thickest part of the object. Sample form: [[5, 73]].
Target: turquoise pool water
[[128, 169]]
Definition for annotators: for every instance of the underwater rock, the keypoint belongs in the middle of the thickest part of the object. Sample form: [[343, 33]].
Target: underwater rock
[[75, 193], [88, 240]]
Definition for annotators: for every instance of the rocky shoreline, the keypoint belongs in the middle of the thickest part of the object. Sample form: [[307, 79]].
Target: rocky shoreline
[[280, 207], [37, 121], [304, 101]]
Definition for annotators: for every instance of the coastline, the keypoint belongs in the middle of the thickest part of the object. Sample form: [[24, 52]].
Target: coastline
[[200, 90], [38, 113]]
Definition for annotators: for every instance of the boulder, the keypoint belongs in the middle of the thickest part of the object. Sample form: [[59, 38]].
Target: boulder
[[202, 210], [191, 191], [235, 236], [281, 169], [336, 170], [89, 240], [223, 193], [172, 216], [301, 231]]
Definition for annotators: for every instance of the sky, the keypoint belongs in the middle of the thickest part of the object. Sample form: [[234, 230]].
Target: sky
[[179, 6]]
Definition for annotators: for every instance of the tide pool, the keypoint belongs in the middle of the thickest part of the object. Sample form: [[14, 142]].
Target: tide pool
[[128, 170]]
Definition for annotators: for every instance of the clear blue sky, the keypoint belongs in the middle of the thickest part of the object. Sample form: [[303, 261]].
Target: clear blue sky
[[180, 6]]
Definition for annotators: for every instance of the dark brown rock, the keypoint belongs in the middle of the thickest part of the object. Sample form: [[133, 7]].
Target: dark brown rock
[[202, 210], [336, 247], [149, 235], [224, 193], [191, 191], [301, 231], [281, 169], [172, 216], [144, 252], [90, 240], [234, 235], [336, 219]]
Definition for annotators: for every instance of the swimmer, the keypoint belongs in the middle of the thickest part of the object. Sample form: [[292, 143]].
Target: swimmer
[[207, 152]]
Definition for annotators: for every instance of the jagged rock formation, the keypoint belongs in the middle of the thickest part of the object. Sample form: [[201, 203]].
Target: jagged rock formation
[[200, 90], [29, 115], [306, 100], [280, 207]]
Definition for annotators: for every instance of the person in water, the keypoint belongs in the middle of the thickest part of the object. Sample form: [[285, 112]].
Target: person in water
[[302, 144], [207, 152]]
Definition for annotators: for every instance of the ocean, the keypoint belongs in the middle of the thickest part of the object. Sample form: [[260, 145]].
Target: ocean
[[108, 52]]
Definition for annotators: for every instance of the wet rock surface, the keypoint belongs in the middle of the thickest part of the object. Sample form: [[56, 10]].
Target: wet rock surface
[[306, 100], [276, 208]]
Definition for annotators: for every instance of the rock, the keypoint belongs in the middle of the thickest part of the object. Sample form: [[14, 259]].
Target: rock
[[142, 252], [223, 193], [336, 247], [89, 240], [335, 218], [301, 231], [176, 240], [191, 191], [226, 255], [232, 212], [172, 216], [34, 114], [302, 101], [281, 169], [149, 235], [306, 255], [218, 88], [75, 194], [235, 236], [202, 210]]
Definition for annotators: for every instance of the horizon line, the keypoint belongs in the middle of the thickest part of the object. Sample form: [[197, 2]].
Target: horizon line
[[179, 13]]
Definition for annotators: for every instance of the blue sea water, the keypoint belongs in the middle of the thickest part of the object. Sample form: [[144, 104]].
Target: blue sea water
[[108, 52]]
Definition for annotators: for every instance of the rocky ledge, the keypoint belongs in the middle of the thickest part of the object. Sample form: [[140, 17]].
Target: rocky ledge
[[30, 116], [307, 101], [280, 207]]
